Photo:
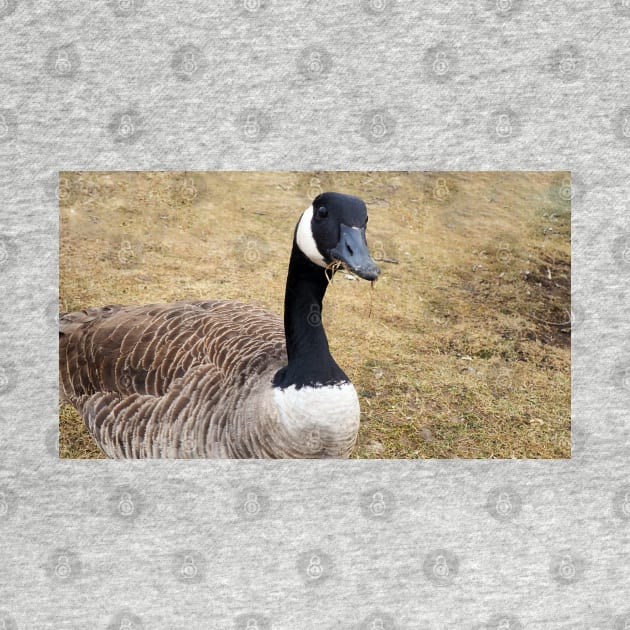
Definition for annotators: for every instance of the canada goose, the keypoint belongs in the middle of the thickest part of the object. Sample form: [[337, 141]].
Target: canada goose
[[219, 378]]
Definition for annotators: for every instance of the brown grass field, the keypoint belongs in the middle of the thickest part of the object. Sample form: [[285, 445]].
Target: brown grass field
[[462, 349]]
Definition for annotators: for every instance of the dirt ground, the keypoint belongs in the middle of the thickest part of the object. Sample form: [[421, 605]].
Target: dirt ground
[[462, 349]]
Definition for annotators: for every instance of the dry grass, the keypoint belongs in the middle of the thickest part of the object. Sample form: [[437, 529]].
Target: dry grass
[[461, 349]]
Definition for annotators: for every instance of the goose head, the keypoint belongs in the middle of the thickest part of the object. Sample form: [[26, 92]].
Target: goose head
[[332, 229]]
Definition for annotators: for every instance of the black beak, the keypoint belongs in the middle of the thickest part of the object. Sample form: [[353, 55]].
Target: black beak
[[353, 252]]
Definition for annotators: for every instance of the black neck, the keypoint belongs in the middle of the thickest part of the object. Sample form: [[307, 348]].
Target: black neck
[[310, 361]]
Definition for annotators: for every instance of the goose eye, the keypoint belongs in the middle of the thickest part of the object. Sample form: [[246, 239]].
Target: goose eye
[[321, 212]]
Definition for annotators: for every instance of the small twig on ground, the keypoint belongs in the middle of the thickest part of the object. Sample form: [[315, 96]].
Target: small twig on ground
[[544, 321]]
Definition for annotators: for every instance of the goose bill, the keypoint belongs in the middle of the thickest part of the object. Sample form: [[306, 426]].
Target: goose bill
[[353, 252]]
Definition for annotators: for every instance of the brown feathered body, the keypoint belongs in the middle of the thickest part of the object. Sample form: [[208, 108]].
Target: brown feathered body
[[183, 380]]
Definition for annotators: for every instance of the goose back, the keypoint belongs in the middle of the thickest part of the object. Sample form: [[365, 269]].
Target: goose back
[[159, 380]]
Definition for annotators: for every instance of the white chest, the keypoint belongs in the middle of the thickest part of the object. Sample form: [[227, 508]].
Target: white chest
[[319, 418]]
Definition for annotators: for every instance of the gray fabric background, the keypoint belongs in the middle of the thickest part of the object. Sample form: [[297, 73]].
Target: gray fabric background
[[260, 84]]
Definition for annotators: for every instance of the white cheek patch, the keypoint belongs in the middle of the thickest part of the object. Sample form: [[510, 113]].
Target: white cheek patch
[[305, 240]]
